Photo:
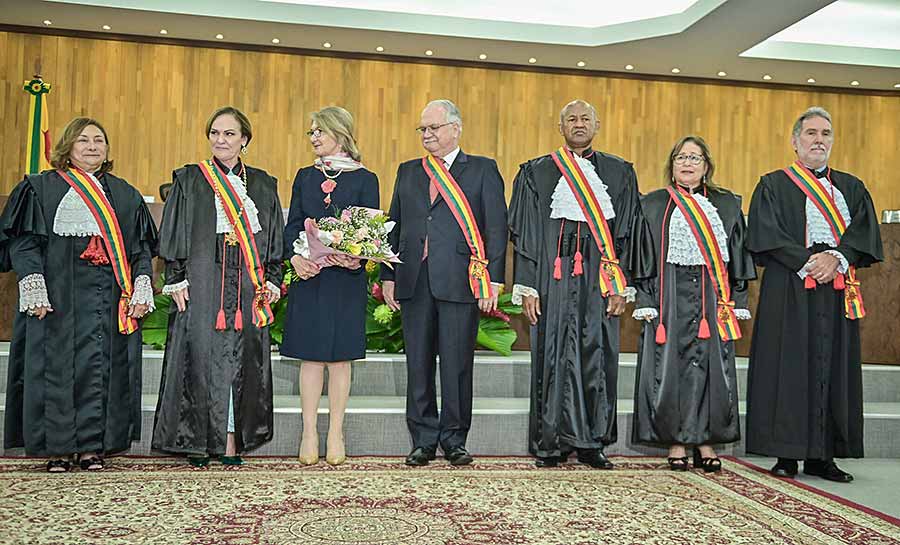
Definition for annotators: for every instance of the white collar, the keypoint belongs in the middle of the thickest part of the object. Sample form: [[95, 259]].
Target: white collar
[[450, 157]]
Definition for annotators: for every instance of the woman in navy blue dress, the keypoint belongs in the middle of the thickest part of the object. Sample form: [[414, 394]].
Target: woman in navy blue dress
[[326, 317]]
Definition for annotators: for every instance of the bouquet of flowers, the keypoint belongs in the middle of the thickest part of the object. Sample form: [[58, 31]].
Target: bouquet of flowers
[[357, 232]]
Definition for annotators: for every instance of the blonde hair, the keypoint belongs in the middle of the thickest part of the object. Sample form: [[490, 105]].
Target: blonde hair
[[337, 123], [62, 151]]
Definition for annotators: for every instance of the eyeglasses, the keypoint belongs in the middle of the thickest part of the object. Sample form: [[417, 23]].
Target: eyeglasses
[[315, 133], [681, 159], [432, 128]]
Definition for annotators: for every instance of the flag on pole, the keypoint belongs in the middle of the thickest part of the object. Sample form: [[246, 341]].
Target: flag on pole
[[37, 152]]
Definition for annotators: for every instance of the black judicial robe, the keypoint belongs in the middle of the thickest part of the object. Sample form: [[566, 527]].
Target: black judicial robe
[[201, 365], [804, 395], [74, 381], [686, 389], [574, 346]]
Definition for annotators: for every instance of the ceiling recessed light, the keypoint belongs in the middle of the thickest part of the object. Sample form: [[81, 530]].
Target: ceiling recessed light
[[897, 86], [48, 22], [429, 52], [854, 83], [379, 49], [482, 56], [163, 31], [220, 37], [326, 45], [276, 41], [767, 77], [580, 64], [629, 67], [106, 27], [722, 73], [811, 80], [532, 60], [676, 70]]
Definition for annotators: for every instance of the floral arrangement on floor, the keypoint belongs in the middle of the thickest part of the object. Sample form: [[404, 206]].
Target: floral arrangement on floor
[[383, 326]]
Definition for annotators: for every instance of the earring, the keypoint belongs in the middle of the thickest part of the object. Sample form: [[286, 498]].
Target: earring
[[243, 150], [704, 179]]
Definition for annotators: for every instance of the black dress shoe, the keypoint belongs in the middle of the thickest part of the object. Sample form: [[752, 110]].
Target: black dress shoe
[[826, 469], [546, 461], [458, 456], [594, 458], [786, 468], [420, 456]]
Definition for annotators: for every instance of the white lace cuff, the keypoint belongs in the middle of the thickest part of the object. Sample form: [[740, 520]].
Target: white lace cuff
[[520, 291], [629, 294], [274, 290], [169, 289], [301, 245], [143, 292], [644, 313], [33, 293], [742, 314], [845, 265]]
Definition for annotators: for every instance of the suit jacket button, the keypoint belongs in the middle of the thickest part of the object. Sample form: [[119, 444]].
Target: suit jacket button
[[429, 218]]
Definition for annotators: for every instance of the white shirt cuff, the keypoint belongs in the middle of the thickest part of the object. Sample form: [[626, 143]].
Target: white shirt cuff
[[742, 314], [275, 291], [630, 293], [644, 313], [845, 265], [520, 291], [33, 293], [169, 289]]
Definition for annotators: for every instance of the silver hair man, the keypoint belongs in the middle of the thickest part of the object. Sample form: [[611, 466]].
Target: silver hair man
[[815, 111], [453, 115], [588, 105]]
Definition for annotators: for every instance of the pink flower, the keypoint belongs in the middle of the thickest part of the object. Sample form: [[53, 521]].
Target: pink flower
[[284, 289], [376, 292], [345, 215], [328, 186]]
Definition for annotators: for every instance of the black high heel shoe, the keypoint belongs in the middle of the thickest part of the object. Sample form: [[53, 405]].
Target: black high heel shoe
[[678, 464], [708, 465]]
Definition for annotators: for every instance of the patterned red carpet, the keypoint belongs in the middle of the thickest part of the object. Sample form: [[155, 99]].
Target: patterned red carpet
[[377, 501]]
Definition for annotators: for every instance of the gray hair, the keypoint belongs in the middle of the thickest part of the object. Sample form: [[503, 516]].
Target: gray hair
[[815, 111], [577, 101], [453, 115]]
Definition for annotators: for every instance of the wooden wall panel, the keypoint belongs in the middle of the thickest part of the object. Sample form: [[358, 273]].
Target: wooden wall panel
[[154, 100]]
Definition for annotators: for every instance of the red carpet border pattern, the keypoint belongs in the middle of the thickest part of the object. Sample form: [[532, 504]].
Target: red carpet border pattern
[[378, 501]]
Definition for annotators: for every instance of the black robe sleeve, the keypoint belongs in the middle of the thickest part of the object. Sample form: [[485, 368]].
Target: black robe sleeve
[[525, 228], [634, 245], [740, 265], [145, 244], [861, 242], [275, 243], [175, 229], [23, 232]]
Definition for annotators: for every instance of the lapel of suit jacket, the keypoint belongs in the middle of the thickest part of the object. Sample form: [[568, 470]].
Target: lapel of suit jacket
[[456, 170]]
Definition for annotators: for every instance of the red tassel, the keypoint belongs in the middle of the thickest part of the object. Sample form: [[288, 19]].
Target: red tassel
[[578, 269], [238, 320], [220, 320], [557, 268], [95, 253], [703, 333], [660, 334], [839, 282], [809, 283]]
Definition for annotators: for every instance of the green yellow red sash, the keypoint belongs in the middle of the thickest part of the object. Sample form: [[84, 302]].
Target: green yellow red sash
[[93, 196], [715, 263], [479, 277], [804, 179], [240, 224], [612, 279]]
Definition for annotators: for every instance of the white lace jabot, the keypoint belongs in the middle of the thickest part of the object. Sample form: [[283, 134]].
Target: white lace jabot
[[222, 223], [817, 229], [73, 218], [683, 248], [563, 203]]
